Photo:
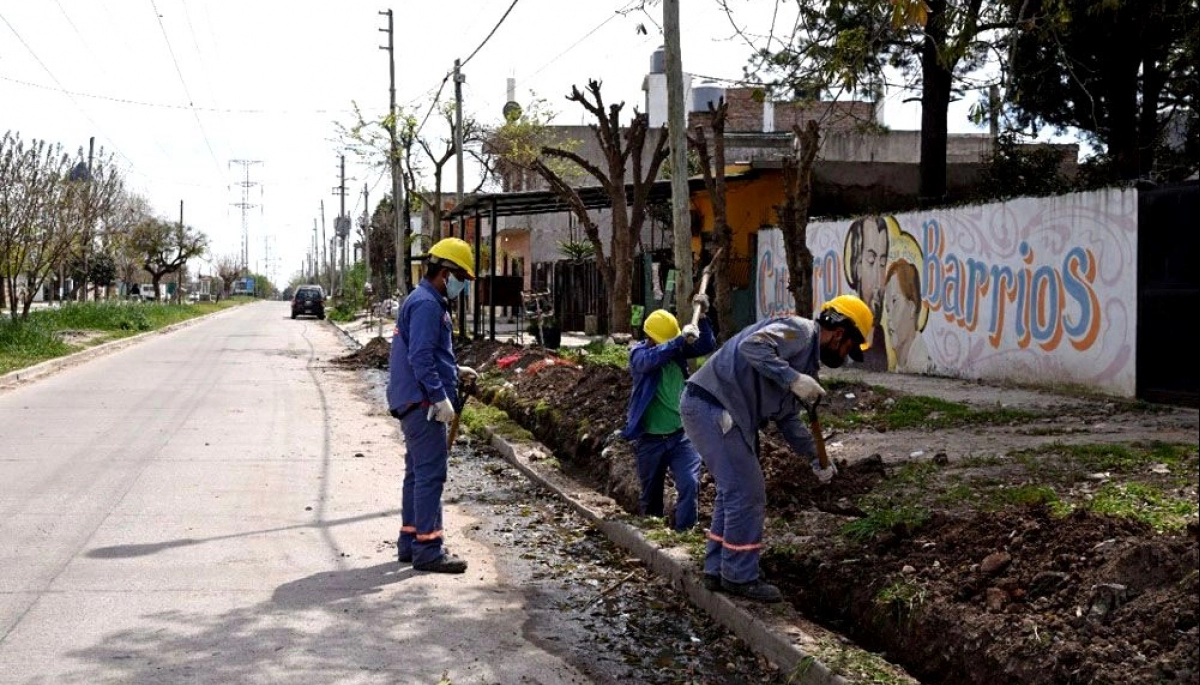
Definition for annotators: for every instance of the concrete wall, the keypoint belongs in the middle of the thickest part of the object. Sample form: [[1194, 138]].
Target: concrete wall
[[1039, 290]]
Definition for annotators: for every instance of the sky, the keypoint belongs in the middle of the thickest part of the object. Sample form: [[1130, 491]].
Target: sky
[[230, 107]]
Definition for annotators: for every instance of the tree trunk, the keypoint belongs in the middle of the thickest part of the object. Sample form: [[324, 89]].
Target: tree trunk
[[797, 185], [714, 180], [936, 79], [621, 258]]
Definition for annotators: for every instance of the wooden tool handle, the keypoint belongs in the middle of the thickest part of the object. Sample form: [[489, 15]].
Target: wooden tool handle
[[704, 276], [818, 437]]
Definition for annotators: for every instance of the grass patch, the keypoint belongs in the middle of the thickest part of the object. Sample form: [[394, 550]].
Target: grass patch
[[477, 415], [1137, 458], [1144, 503], [24, 343], [599, 353], [918, 411], [902, 598], [883, 520]]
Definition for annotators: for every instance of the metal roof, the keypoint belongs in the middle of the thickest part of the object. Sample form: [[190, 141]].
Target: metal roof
[[532, 202]]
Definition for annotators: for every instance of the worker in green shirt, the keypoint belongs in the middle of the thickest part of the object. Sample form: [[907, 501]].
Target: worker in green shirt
[[659, 368]]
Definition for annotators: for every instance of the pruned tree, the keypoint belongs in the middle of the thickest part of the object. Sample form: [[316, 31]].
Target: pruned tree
[[624, 153], [844, 46], [163, 247], [439, 153], [713, 167], [793, 215]]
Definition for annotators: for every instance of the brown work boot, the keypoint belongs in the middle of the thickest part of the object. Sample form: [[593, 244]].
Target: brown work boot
[[756, 589], [448, 563]]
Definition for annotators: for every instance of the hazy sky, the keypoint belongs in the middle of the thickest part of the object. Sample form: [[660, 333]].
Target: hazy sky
[[178, 90]]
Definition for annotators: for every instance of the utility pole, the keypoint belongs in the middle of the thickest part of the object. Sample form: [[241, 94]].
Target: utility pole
[[459, 78], [394, 164], [366, 229], [314, 257], [341, 227], [677, 137], [182, 267], [324, 253], [245, 205]]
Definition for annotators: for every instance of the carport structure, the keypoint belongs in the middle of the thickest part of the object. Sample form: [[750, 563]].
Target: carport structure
[[529, 203]]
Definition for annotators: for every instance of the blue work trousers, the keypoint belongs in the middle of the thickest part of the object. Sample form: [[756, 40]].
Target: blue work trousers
[[655, 455], [425, 461], [735, 538]]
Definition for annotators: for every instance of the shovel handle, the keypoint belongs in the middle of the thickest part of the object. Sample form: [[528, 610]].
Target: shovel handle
[[818, 436]]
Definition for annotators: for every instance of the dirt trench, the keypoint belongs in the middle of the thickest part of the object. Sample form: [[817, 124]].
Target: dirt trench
[[989, 583]]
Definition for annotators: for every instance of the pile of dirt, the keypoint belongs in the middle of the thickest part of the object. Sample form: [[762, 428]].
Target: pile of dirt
[[1014, 596], [373, 355]]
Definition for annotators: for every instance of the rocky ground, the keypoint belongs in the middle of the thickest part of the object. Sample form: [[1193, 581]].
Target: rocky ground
[[974, 533]]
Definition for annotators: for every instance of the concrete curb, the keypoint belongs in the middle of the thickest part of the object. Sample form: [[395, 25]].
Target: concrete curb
[[768, 632], [13, 379]]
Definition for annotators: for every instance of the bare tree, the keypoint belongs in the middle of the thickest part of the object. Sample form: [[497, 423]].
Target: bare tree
[[228, 269], [103, 188], [793, 215], [623, 151], [714, 180]]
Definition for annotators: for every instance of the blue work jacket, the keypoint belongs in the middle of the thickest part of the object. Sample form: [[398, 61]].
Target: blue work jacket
[[646, 361], [421, 364], [752, 373]]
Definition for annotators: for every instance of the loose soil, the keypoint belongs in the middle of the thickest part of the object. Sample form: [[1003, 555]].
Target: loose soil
[[973, 534]]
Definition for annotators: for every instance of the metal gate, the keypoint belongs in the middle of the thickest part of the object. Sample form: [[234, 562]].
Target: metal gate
[[1168, 293]]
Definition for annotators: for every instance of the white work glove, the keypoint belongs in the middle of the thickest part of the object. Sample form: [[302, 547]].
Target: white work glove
[[467, 374], [442, 411], [807, 389], [691, 332], [823, 475], [700, 300]]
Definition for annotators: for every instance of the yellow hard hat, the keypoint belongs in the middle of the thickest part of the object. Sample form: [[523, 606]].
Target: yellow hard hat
[[857, 311], [457, 252], [661, 326]]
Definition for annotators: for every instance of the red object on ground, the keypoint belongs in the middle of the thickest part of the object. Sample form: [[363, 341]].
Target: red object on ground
[[505, 362]]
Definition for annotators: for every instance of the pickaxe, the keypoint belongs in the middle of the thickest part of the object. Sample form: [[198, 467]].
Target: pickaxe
[[818, 436], [704, 276], [466, 388]]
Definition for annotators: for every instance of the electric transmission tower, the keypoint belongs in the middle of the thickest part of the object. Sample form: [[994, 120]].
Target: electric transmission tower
[[245, 205]]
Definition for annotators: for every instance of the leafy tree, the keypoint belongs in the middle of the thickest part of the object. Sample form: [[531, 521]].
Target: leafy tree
[[843, 47], [624, 151], [1118, 70], [164, 247]]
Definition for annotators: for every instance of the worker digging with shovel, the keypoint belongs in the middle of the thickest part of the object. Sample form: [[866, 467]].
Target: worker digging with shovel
[[767, 372]]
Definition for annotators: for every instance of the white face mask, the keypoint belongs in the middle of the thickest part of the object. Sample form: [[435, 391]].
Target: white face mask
[[454, 287]]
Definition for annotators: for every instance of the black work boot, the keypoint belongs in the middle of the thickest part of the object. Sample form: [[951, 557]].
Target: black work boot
[[756, 589], [712, 582], [448, 563]]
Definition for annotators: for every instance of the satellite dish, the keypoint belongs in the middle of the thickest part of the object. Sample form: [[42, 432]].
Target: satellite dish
[[512, 111]]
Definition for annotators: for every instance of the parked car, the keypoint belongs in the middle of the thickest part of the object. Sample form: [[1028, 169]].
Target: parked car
[[309, 300]]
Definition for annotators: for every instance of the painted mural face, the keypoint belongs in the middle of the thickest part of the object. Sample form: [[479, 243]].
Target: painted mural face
[[901, 315], [872, 265]]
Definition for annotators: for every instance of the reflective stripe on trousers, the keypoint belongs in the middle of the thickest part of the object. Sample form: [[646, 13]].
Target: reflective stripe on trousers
[[425, 460], [735, 536]]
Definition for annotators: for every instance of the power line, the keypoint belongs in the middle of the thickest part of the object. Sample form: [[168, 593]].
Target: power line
[[183, 83], [164, 105], [60, 86], [490, 34]]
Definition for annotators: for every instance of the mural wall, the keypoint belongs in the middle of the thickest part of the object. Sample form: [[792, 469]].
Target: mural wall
[[1040, 290]]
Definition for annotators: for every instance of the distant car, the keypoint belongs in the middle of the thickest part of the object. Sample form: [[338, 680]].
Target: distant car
[[309, 300]]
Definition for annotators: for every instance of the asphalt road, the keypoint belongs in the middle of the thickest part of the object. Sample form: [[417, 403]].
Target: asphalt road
[[214, 506]]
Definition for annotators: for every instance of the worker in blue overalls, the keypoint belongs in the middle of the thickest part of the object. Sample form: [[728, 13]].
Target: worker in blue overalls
[[422, 393], [762, 374], [659, 368]]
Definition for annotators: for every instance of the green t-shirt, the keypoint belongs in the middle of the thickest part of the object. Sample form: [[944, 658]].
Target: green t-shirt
[[662, 416]]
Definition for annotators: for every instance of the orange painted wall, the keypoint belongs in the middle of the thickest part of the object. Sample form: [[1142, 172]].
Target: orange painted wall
[[749, 204]]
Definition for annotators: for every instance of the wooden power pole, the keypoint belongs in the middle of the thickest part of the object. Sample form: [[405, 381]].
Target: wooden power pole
[[677, 137]]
